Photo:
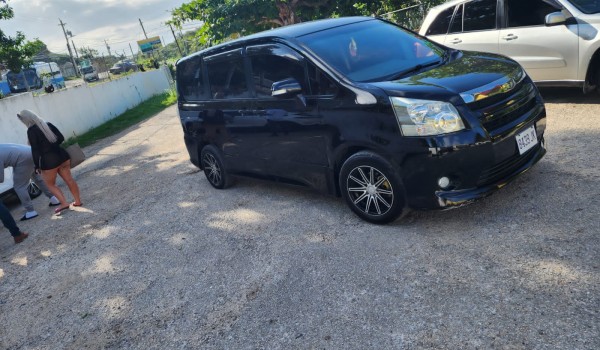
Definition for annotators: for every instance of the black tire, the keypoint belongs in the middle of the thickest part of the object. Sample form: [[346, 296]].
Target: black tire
[[215, 172], [33, 190], [372, 188]]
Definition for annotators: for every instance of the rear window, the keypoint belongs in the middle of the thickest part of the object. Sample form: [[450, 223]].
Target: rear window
[[190, 80], [441, 23]]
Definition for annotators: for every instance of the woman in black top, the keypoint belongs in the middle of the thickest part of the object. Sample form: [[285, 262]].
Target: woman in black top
[[49, 157]]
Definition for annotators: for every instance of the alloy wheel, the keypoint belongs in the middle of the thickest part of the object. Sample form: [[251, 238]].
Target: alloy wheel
[[370, 190], [212, 169]]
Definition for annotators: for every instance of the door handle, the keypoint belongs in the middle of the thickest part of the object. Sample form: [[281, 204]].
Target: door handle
[[509, 37], [455, 41]]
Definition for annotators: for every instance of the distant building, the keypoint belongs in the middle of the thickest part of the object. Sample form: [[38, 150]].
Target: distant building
[[68, 70]]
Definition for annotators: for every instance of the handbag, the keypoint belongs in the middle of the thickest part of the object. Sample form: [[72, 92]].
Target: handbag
[[76, 154]]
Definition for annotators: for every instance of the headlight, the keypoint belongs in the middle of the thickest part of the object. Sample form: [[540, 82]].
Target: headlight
[[426, 118]]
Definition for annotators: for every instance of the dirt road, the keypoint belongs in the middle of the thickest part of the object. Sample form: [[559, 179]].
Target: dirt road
[[158, 259]]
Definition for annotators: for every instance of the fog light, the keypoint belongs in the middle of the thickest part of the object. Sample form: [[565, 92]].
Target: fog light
[[443, 182]]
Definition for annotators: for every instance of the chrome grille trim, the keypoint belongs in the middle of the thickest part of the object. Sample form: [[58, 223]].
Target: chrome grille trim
[[500, 86]]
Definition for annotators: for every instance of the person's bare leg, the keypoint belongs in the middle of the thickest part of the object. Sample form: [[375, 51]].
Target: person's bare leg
[[64, 170], [50, 180]]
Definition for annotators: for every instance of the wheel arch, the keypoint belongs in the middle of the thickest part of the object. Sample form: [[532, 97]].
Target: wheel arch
[[343, 153], [592, 77], [201, 145]]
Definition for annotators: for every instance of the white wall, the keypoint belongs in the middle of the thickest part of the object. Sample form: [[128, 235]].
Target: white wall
[[81, 108]]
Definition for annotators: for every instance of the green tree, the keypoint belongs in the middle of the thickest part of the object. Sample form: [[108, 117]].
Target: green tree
[[88, 53], [16, 52], [225, 19]]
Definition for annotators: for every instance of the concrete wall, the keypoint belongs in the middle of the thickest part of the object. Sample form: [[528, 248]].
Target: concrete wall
[[81, 108]]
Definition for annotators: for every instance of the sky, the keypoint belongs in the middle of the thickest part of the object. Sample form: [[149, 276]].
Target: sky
[[92, 22]]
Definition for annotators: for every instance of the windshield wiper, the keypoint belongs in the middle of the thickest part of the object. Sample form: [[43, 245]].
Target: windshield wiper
[[419, 67]]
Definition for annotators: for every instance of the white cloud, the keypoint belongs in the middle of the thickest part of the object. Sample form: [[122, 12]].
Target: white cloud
[[91, 22]]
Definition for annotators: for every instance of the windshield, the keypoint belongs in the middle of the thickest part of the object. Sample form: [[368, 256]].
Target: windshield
[[587, 6], [372, 50], [88, 69]]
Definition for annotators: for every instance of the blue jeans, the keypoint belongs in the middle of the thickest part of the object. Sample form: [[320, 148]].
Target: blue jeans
[[8, 221]]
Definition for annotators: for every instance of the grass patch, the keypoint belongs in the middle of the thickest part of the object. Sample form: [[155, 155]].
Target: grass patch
[[141, 112]]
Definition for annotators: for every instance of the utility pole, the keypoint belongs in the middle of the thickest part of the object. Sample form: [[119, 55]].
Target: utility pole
[[107, 47], [69, 47], [176, 42], [105, 66], [146, 35], [144, 30], [74, 48], [132, 55], [185, 46]]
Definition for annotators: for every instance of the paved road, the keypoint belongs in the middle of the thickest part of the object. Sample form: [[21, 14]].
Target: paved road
[[158, 259]]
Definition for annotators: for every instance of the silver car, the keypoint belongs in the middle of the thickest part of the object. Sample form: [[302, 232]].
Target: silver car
[[556, 41]]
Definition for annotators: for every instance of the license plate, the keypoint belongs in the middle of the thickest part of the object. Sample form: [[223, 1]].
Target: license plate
[[526, 139]]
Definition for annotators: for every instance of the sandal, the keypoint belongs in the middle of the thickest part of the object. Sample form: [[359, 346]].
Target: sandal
[[58, 210], [76, 205]]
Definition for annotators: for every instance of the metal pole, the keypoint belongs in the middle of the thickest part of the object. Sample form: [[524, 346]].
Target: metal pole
[[69, 47], [107, 47], [144, 30], [74, 48], [176, 42]]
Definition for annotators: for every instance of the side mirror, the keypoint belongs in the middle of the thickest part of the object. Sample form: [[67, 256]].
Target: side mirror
[[286, 88], [555, 18]]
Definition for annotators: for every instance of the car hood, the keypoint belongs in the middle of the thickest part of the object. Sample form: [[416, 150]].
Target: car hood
[[467, 72]]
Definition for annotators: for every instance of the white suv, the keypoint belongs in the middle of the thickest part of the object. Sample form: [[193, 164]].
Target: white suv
[[556, 41]]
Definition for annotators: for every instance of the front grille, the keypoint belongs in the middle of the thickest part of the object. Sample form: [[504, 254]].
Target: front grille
[[506, 167], [500, 114]]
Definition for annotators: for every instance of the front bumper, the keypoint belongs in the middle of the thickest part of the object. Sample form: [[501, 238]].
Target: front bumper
[[457, 198]]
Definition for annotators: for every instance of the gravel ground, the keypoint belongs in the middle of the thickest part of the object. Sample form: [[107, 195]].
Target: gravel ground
[[158, 259]]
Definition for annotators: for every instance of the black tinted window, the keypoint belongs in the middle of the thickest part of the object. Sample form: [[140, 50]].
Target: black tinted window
[[227, 78], [320, 83], [457, 21], [441, 23], [587, 6], [528, 13], [267, 69], [189, 79], [479, 15], [371, 50]]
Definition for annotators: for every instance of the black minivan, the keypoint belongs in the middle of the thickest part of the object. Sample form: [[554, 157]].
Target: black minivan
[[362, 108]]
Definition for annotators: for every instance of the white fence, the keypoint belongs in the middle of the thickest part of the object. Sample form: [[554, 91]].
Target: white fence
[[78, 109]]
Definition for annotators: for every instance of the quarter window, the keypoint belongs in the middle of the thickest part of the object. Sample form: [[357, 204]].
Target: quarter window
[[320, 83], [441, 23], [189, 79]]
